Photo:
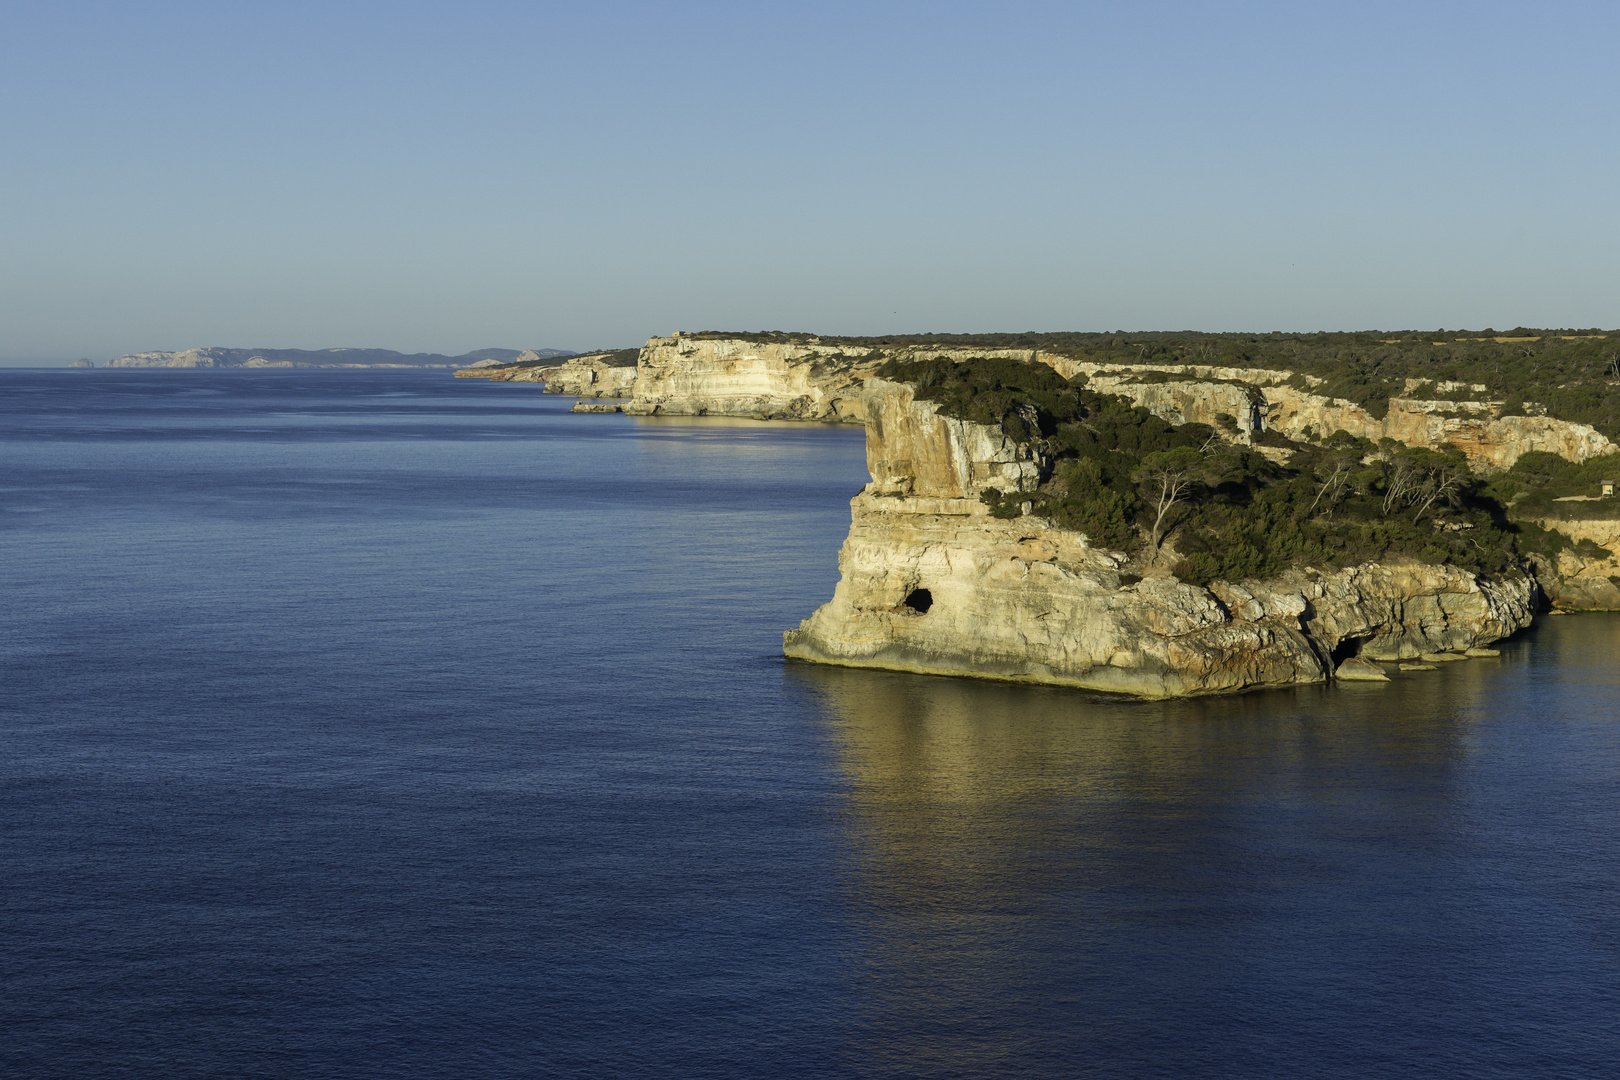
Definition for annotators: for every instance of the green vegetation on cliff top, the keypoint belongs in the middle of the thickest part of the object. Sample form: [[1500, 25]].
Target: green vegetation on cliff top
[[1574, 373], [1131, 481]]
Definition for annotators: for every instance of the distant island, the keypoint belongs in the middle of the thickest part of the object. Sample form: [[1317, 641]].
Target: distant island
[[323, 358]]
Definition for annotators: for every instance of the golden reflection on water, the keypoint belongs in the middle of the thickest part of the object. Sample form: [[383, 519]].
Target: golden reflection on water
[[1021, 853], [943, 771]]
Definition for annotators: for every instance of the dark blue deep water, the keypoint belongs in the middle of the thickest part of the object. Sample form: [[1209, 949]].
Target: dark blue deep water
[[386, 725]]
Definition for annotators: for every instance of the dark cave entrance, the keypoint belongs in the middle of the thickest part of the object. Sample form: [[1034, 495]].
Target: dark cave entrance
[[1346, 649], [919, 600]]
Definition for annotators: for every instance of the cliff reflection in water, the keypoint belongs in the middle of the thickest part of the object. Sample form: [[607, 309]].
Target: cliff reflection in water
[[1047, 879]]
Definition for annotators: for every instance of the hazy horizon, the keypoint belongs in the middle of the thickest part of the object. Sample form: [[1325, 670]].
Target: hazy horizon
[[466, 353], [417, 178]]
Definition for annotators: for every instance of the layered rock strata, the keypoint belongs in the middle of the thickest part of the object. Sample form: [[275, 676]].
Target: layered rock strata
[[795, 380], [1261, 400], [1583, 582], [805, 378], [590, 377], [792, 379], [932, 583]]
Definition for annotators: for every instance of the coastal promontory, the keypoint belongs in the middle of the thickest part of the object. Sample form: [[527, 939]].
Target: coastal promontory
[[1005, 533], [1494, 446]]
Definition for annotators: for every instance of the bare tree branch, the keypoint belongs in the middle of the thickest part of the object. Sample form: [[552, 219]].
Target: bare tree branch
[[1443, 486], [1332, 487]]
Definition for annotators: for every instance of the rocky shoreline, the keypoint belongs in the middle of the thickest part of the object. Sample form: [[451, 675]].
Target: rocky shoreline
[[807, 378], [933, 583]]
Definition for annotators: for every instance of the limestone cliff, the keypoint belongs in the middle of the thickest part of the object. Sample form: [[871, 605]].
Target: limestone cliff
[[799, 379], [791, 378], [590, 377], [808, 378], [932, 583], [1262, 399], [594, 375], [1577, 581]]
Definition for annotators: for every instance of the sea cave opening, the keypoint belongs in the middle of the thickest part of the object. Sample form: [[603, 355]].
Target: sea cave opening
[[919, 600], [1346, 649]]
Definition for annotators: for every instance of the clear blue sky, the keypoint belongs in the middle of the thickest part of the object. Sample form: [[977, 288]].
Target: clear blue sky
[[448, 176]]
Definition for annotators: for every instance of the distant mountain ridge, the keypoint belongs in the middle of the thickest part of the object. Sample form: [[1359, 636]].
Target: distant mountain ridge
[[323, 358]]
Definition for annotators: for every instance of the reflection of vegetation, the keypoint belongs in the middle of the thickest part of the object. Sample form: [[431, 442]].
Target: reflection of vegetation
[[1018, 854], [1128, 479], [1575, 373]]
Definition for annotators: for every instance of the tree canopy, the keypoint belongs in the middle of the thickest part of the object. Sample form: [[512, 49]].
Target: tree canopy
[[1575, 373], [1132, 481]]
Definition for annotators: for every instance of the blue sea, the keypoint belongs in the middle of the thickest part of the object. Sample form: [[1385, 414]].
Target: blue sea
[[382, 724]]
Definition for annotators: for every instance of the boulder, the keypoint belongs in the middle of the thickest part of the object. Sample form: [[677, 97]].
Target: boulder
[[1356, 669]]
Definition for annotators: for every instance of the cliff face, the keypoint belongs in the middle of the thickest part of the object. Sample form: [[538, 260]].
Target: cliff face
[[932, 583], [1474, 427], [1260, 400], [1577, 582], [804, 379], [801, 379], [590, 376]]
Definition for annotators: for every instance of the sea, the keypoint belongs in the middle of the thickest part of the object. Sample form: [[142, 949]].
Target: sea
[[385, 724]]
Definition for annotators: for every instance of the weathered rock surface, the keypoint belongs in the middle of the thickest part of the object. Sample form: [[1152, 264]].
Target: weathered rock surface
[[593, 375], [932, 583], [803, 378], [1260, 400], [1356, 669], [589, 377], [1577, 582], [798, 379]]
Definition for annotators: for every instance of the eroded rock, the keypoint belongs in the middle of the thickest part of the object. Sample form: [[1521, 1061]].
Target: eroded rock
[[1024, 599], [1356, 669]]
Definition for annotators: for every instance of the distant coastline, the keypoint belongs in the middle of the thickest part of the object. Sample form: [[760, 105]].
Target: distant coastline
[[256, 358]]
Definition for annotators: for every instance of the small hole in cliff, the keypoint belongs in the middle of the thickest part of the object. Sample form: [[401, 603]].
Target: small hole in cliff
[[1347, 648], [920, 600]]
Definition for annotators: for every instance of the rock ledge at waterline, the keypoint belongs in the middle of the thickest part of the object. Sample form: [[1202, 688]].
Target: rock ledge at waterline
[[932, 583]]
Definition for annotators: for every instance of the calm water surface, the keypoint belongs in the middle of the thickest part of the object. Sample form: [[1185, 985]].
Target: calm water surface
[[380, 724]]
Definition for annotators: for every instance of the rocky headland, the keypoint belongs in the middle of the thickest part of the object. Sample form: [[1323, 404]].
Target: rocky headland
[[932, 581], [607, 374], [1360, 399], [714, 375], [771, 376], [778, 376]]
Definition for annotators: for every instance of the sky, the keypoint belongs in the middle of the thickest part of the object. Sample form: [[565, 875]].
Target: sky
[[449, 176]]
